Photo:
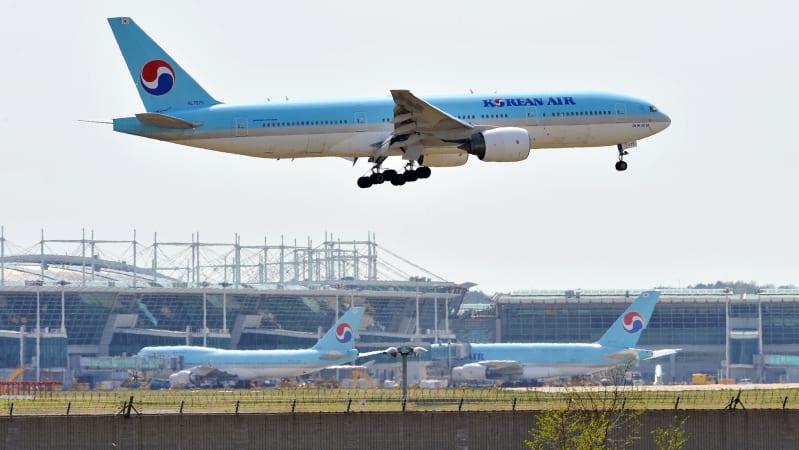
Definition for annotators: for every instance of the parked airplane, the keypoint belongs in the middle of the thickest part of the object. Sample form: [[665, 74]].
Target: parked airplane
[[536, 361], [433, 132], [334, 348]]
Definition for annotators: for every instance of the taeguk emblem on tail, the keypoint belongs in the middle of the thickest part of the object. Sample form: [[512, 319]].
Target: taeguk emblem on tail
[[157, 77], [344, 333], [633, 322]]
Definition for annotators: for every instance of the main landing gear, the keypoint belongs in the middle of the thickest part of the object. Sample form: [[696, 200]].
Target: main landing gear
[[392, 176], [621, 166]]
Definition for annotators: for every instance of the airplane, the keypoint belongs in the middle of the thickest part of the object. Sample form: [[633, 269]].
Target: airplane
[[538, 361], [441, 131], [336, 347]]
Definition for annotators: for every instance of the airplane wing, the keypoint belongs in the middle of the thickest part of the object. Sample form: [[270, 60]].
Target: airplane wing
[[416, 121], [209, 372], [426, 118], [196, 374]]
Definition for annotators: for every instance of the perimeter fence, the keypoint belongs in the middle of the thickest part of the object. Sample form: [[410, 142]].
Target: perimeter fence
[[313, 400]]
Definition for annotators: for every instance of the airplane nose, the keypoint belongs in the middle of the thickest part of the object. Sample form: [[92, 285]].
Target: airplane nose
[[661, 122], [666, 121]]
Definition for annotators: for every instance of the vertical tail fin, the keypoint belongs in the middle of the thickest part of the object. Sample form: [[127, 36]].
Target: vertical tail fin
[[163, 85], [626, 330], [341, 338]]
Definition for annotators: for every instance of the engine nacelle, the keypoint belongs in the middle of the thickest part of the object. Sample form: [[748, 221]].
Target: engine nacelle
[[180, 379], [444, 159], [469, 372], [507, 144]]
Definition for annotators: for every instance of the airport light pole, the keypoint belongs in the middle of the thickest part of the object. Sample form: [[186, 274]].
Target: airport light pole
[[404, 351], [38, 284], [224, 285], [205, 313], [63, 314]]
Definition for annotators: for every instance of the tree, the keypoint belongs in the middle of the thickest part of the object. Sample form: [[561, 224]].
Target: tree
[[591, 419], [672, 437]]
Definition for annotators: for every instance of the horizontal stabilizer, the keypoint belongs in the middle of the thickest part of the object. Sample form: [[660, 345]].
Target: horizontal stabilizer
[[664, 352], [164, 121], [364, 366], [371, 353]]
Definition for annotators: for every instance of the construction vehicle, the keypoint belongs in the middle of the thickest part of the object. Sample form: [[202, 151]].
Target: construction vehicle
[[703, 378], [16, 374]]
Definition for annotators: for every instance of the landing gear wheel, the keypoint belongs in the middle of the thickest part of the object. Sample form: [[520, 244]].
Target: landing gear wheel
[[389, 175], [410, 176], [377, 178], [423, 172], [364, 182], [621, 166], [398, 179]]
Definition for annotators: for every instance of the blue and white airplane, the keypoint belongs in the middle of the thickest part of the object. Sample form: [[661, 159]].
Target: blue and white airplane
[[536, 361], [334, 348], [432, 132]]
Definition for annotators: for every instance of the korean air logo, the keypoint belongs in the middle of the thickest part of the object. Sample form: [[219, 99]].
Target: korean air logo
[[344, 333], [633, 322], [157, 77]]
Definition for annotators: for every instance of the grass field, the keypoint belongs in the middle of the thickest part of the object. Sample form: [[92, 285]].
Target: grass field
[[312, 400]]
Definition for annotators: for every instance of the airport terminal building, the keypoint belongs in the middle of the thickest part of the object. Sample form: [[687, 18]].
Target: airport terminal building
[[76, 311], [67, 312]]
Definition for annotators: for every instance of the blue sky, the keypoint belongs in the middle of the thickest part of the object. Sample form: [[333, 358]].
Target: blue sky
[[710, 198]]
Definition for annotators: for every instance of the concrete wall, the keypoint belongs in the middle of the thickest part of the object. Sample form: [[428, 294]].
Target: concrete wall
[[469, 430]]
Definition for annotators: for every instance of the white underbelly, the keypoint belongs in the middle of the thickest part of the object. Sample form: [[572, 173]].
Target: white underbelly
[[595, 135], [359, 144]]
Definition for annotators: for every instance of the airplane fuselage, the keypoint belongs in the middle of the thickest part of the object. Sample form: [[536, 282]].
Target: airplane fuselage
[[355, 128], [546, 360], [253, 364]]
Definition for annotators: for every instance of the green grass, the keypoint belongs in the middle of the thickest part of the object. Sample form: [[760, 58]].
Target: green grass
[[310, 400]]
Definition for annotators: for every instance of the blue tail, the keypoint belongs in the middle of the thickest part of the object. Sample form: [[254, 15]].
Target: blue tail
[[626, 330], [341, 338], [163, 85]]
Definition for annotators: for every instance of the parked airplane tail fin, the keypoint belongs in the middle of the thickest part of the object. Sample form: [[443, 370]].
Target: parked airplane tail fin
[[626, 330], [341, 337], [163, 85]]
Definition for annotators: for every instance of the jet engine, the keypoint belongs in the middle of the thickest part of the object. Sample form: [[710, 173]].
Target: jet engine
[[507, 144], [180, 379], [469, 372]]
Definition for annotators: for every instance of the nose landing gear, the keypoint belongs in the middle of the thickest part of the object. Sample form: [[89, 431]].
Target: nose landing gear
[[621, 166]]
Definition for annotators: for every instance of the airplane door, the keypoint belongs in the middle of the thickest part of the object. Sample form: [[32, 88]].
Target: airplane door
[[360, 121], [532, 115], [241, 126], [621, 112]]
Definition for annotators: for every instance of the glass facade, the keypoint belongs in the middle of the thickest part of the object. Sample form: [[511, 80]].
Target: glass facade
[[677, 320], [780, 322], [53, 351]]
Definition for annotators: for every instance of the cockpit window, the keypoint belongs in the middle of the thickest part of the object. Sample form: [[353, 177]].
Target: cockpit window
[[653, 108]]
